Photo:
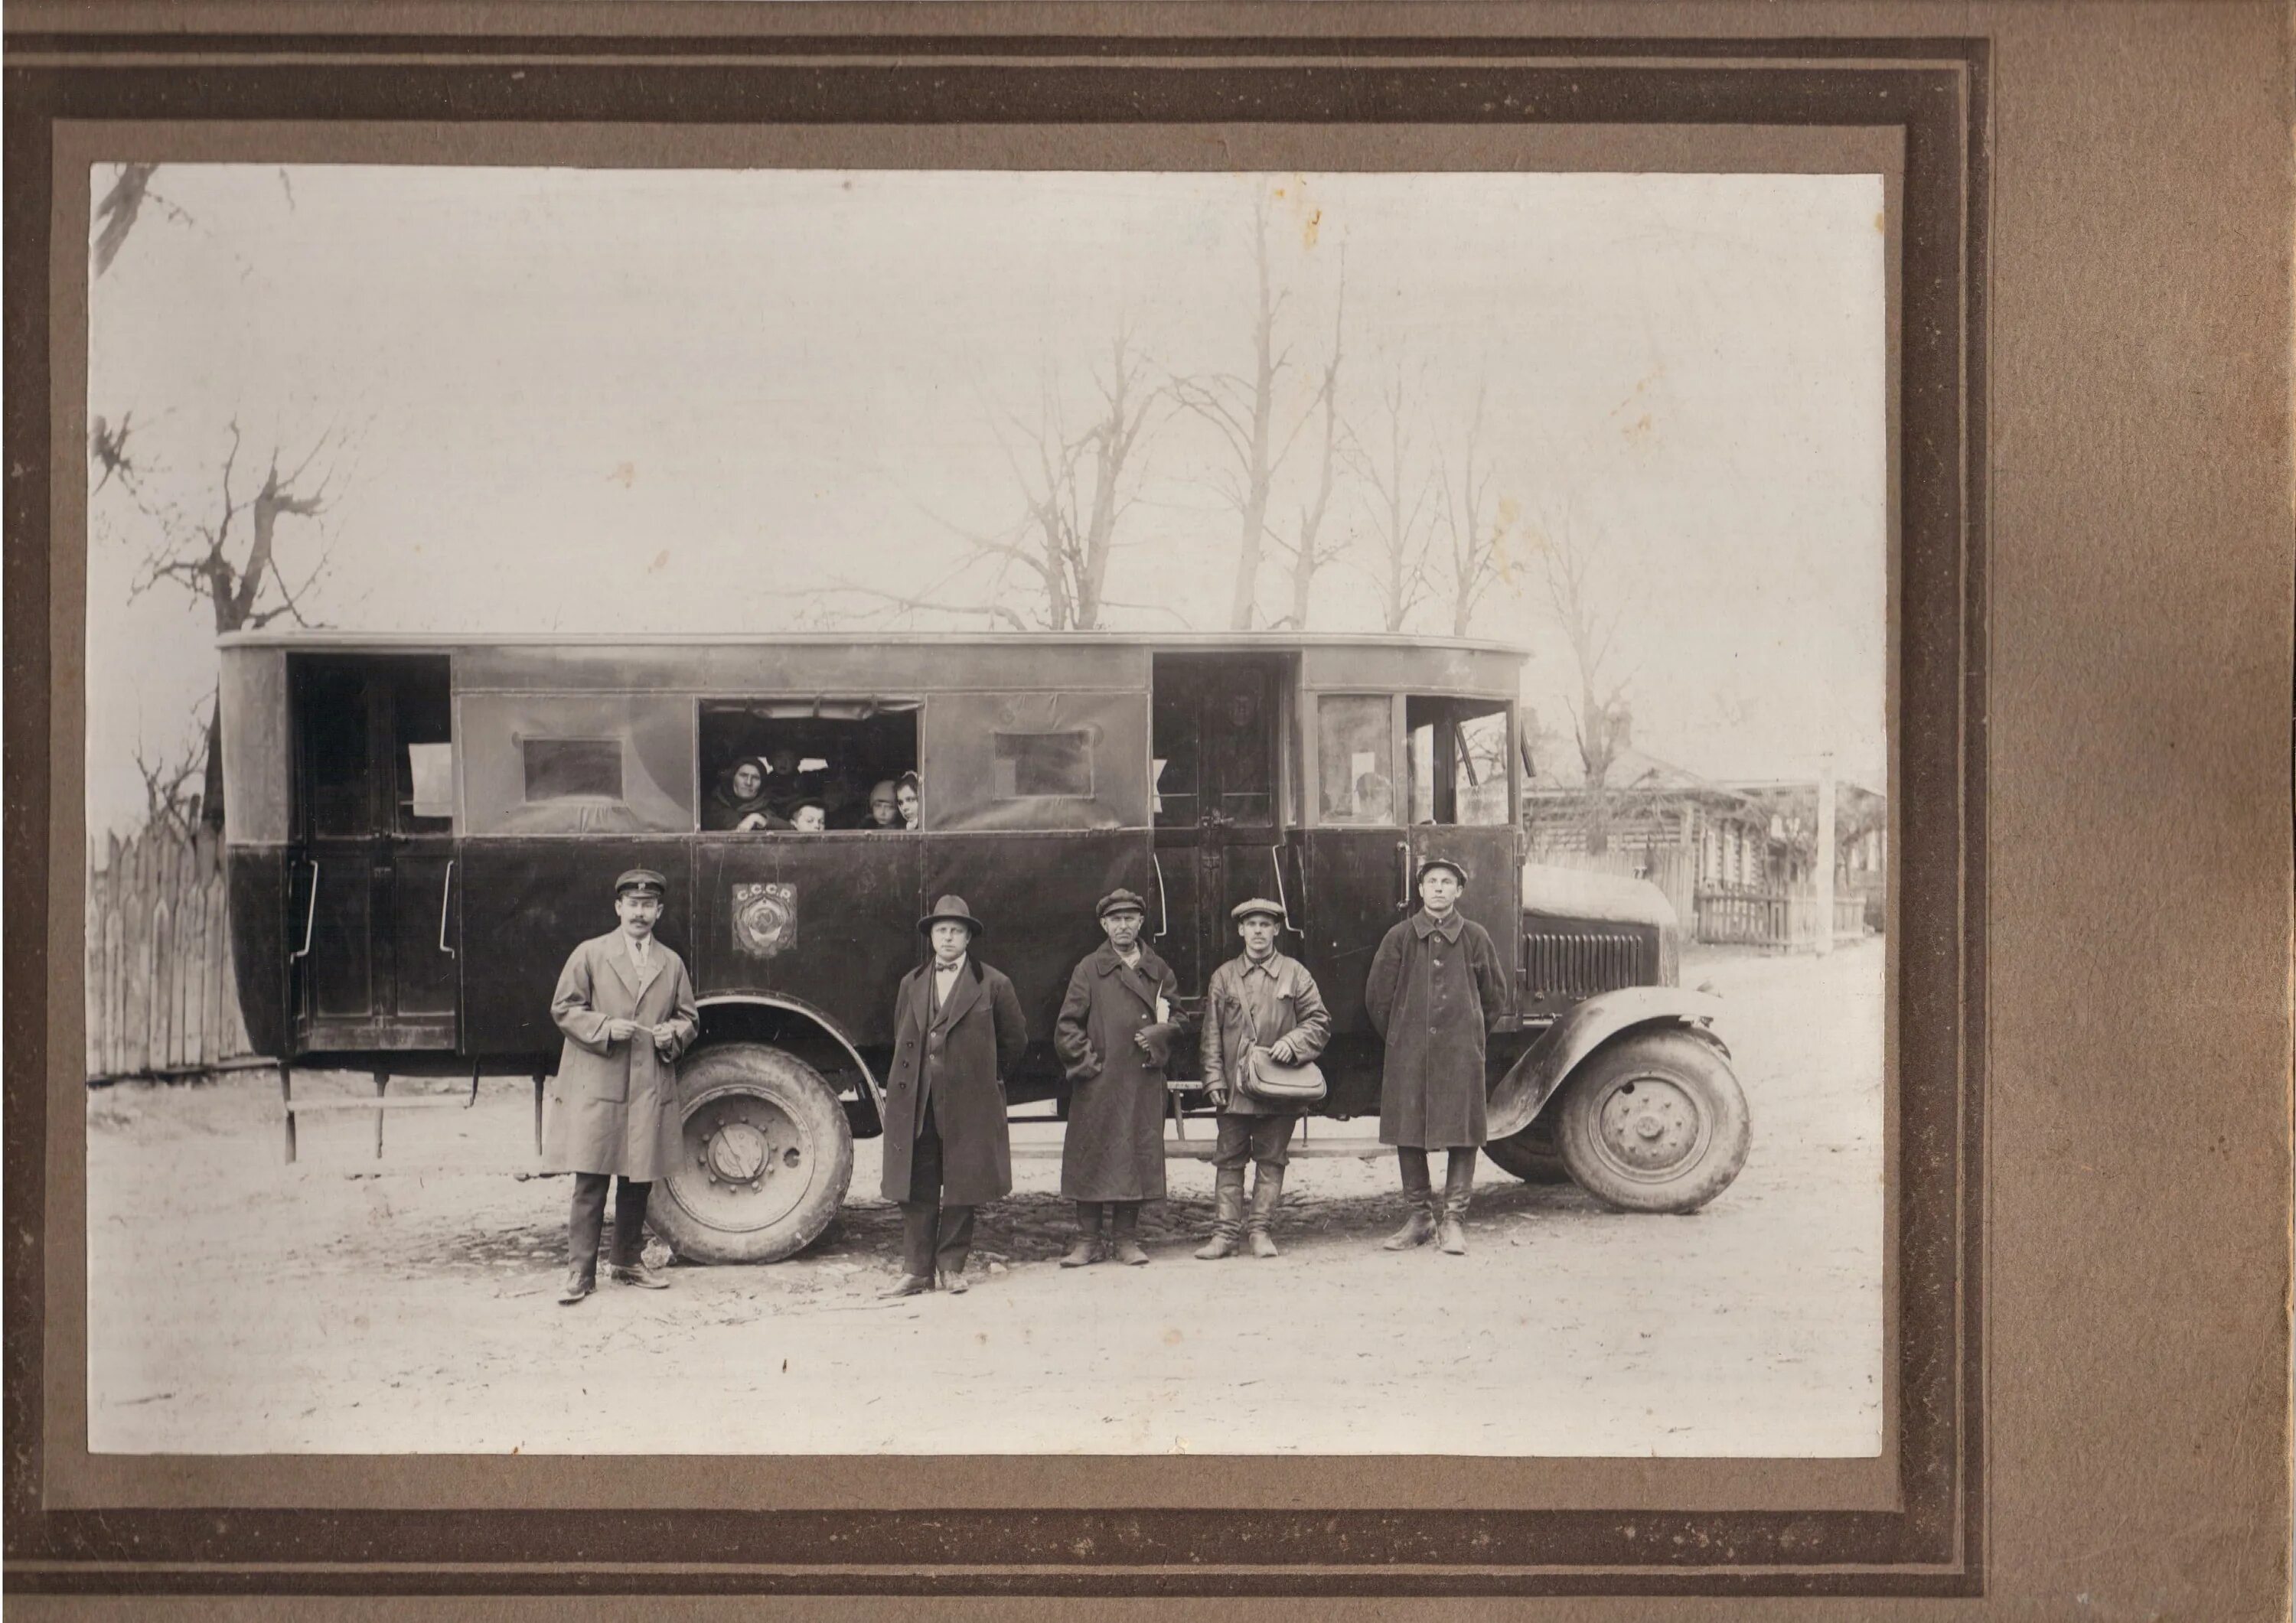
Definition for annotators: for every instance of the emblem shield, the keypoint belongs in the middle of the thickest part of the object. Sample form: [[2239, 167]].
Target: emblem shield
[[765, 918]]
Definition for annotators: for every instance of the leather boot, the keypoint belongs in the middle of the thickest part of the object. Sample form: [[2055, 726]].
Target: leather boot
[[1458, 1186], [1419, 1227], [1228, 1215], [1266, 1190], [1087, 1249], [1124, 1233]]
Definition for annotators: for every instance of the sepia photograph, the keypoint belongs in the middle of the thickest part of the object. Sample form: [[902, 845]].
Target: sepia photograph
[[808, 811]]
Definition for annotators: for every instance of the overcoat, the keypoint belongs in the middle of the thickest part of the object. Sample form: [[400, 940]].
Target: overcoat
[[1114, 1146], [1434, 991], [959, 1058], [1293, 1007], [617, 1103]]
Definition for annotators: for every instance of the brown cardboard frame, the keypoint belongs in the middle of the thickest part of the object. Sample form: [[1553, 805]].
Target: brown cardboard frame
[[1103, 86]]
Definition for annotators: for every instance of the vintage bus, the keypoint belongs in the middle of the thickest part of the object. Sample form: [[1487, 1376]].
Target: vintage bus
[[418, 829]]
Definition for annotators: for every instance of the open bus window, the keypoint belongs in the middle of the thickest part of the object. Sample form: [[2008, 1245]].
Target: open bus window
[[1356, 758], [577, 762], [764, 759], [1458, 750]]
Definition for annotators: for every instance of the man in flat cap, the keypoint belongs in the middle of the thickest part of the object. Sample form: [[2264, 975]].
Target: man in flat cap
[[1114, 1036], [1261, 998], [627, 1007], [957, 1032], [1436, 988]]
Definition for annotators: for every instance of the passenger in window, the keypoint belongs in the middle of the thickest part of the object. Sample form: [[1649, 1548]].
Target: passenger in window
[[884, 805], [909, 797], [785, 785], [739, 803], [1114, 1037], [809, 816]]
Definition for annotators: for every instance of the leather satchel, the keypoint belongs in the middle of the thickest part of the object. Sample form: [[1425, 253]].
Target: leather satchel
[[1267, 1078]]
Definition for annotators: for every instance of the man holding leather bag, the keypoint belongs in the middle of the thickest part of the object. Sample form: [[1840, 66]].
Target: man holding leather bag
[[1264, 1024]]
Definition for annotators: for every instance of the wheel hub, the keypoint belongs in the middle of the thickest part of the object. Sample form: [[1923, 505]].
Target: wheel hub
[[747, 1162], [738, 1154], [1651, 1125]]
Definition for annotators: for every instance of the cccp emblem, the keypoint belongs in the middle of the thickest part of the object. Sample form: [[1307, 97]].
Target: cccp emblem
[[765, 918]]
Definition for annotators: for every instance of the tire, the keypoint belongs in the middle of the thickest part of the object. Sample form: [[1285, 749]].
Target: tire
[[767, 1155], [1530, 1154], [1653, 1122]]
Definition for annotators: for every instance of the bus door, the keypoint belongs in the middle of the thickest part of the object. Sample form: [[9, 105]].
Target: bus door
[[373, 925], [1215, 731], [1358, 855], [1459, 757]]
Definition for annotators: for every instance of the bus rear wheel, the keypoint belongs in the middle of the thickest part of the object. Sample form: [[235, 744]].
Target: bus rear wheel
[[765, 1157]]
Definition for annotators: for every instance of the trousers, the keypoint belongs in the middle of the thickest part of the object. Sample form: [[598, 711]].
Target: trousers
[[1263, 1140], [932, 1235], [586, 1223]]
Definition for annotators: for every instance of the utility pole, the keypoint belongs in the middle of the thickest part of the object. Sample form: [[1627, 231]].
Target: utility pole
[[1826, 853]]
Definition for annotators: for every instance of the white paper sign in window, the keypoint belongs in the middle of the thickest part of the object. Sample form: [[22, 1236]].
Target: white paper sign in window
[[432, 769]]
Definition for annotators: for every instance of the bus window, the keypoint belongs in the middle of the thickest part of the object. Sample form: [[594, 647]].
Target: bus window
[[423, 780], [763, 759], [1458, 752], [1356, 758], [577, 762], [1046, 761]]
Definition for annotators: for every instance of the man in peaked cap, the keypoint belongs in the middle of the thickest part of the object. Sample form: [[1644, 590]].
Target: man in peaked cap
[[1262, 997], [1114, 1036], [957, 1032], [1435, 989], [626, 1008]]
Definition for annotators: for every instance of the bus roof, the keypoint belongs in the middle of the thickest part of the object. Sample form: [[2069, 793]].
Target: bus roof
[[1178, 642]]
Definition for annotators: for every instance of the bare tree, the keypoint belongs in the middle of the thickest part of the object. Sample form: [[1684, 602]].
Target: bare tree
[[1601, 717], [228, 558], [1309, 553], [170, 800], [1076, 488], [1400, 537], [1244, 409], [1475, 524]]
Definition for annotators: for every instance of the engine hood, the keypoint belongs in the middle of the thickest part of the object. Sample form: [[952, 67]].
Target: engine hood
[[1574, 893]]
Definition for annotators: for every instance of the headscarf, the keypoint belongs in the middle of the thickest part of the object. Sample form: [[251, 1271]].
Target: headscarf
[[726, 808]]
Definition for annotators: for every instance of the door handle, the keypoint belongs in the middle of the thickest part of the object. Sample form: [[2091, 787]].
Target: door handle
[[1403, 862], [445, 891], [1163, 902], [1276, 860], [310, 913]]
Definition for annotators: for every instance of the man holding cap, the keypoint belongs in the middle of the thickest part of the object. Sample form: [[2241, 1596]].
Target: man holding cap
[[958, 1029], [627, 1007], [1435, 989], [1114, 1036], [1259, 997]]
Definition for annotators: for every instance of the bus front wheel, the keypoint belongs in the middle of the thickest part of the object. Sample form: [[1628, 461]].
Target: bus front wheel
[[767, 1154]]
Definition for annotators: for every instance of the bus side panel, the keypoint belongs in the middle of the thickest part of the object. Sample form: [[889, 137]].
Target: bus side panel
[[262, 935], [828, 920], [1034, 894], [527, 904]]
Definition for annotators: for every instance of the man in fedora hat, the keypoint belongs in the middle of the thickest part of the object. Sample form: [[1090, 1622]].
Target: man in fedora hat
[[1114, 1036], [958, 1029], [1435, 988], [1259, 997], [626, 1008]]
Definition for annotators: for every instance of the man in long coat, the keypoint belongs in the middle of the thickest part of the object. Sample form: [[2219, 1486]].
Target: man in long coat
[[1114, 1036], [1436, 989], [1259, 997], [627, 1007], [958, 1029]]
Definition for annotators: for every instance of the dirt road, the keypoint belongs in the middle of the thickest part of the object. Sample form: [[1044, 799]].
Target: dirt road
[[241, 1304]]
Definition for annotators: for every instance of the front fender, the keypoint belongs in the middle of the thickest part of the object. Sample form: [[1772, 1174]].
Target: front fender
[[1517, 1097]]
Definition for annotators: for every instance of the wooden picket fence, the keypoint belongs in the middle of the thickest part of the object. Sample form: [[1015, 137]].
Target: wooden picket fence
[[162, 1000]]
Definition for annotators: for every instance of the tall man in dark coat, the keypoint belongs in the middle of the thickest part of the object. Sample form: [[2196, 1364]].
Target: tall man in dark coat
[[958, 1029], [1114, 1036], [627, 1007], [1436, 988], [1260, 996]]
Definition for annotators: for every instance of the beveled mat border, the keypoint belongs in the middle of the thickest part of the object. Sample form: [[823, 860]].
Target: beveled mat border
[[1928, 1546]]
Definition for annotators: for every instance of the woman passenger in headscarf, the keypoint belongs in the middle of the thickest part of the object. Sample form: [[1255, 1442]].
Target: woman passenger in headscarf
[[738, 803], [909, 797]]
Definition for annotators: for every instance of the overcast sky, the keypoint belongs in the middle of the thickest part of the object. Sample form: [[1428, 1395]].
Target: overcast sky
[[599, 401]]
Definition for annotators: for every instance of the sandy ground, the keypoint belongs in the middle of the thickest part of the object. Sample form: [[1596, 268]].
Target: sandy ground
[[340, 1304]]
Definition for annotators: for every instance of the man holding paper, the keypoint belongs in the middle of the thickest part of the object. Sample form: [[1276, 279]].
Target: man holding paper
[[1114, 1036]]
